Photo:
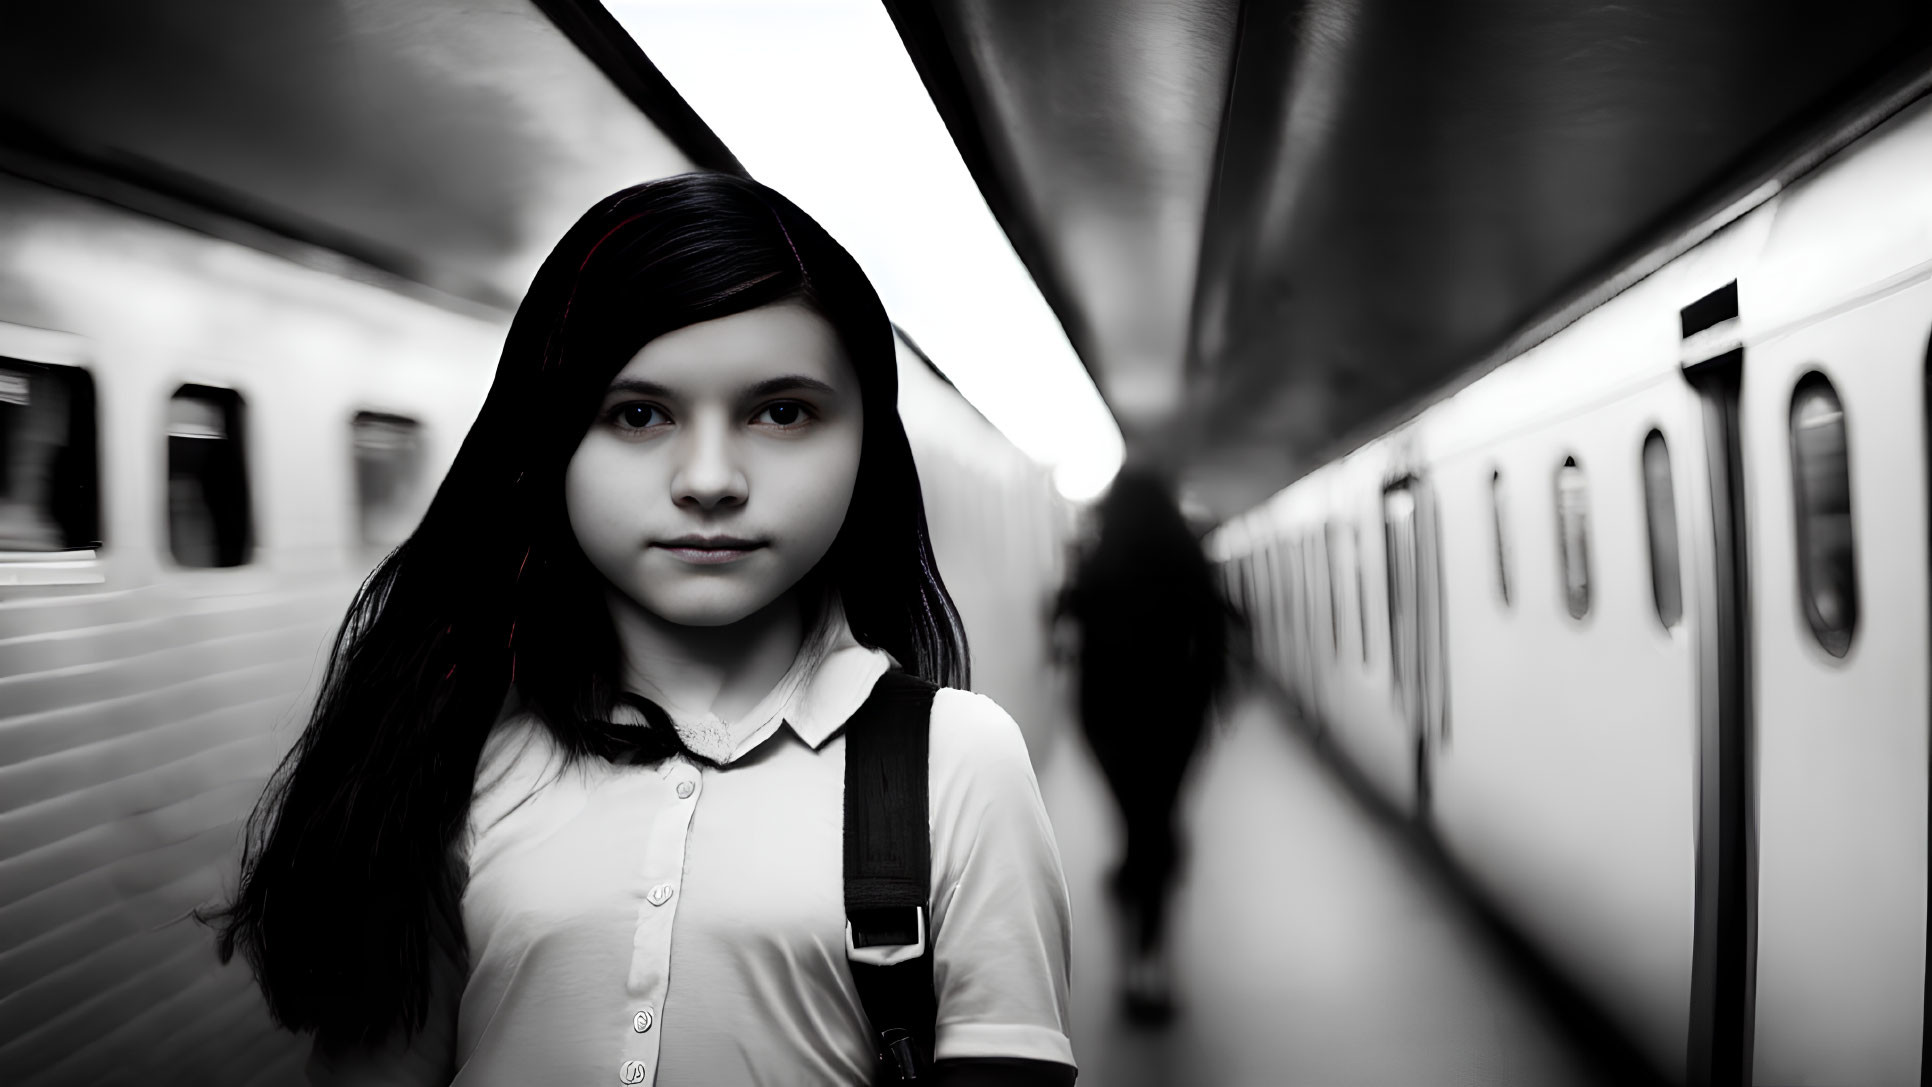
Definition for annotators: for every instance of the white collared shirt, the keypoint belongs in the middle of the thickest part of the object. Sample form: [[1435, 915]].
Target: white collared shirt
[[683, 924]]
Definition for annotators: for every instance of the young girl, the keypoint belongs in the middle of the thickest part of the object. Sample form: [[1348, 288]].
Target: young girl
[[569, 809]]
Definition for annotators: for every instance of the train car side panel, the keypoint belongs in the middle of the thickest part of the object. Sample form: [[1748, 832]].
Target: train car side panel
[[139, 715], [1565, 787], [1837, 498], [1366, 715]]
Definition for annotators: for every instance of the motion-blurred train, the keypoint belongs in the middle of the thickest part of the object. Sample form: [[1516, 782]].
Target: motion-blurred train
[[208, 435], [1635, 624]]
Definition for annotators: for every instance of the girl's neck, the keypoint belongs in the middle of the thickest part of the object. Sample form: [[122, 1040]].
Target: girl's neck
[[694, 671]]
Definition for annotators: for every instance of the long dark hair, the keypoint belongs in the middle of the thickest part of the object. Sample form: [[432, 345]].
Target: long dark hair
[[348, 871]]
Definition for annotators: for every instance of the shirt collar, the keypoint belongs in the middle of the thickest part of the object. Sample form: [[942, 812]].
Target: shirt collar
[[827, 682]]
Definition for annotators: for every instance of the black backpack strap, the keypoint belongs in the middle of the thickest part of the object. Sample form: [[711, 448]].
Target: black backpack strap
[[888, 873]]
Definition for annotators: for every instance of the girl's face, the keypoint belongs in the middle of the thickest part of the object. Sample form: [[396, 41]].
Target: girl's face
[[720, 464]]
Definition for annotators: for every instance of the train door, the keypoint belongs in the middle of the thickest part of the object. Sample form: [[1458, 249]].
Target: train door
[[1834, 465], [1416, 651]]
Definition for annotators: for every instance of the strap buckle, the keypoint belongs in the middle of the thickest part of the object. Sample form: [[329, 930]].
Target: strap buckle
[[896, 1050], [888, 954]]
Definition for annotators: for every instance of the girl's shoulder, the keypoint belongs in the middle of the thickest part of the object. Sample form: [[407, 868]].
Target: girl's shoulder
[[518, 739], [987, 810], [518, 758], [977, 747], [973, 723]]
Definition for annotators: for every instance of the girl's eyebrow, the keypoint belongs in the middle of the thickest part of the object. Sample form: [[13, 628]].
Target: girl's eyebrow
[[789, 383], [785, 383], [638, 386]]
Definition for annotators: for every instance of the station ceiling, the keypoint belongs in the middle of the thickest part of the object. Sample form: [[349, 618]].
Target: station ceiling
[[1268, 228], [1271, 228], [440, 143]]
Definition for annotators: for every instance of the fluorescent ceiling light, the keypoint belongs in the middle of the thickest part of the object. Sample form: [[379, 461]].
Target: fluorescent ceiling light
[[818, 99]]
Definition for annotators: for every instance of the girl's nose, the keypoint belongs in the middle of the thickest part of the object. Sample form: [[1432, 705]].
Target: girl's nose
[[709, 474]]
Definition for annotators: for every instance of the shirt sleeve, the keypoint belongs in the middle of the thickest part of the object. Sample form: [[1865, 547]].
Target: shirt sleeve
[[1001, 923]]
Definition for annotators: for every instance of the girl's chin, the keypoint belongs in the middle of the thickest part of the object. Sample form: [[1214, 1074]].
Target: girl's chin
[[707, 609]]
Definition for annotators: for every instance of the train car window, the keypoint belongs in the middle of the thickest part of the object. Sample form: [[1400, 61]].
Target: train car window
[[388, 457], [1361, 591], [1329, 550], [208, 504], [1573, 536], [49, 497], [1660, 508], [1502, 535], [1821, 479]]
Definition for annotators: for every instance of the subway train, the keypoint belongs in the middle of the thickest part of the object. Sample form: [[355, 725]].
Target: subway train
[[1633, 625], [204, 447]]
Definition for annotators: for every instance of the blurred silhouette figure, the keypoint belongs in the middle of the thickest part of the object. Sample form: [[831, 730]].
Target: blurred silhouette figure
[[1153, 629]]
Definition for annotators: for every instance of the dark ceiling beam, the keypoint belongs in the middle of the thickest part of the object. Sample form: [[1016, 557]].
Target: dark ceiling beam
[[121, 178], [1892, 80], [1218, 180], [1473, 186], [135, 183], [603, 40]]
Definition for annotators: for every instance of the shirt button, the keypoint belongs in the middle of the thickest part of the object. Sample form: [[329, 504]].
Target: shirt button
[[642, 1021], [685, 789], [632, 1072], [660, 894]]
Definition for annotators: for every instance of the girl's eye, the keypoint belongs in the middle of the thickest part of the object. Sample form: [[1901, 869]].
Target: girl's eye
[[638, 416], [784, 413]]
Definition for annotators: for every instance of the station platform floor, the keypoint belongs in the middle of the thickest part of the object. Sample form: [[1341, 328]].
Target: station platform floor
[[1312, 944]]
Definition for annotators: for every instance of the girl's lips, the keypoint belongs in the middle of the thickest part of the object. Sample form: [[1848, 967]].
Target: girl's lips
[[702, 555]]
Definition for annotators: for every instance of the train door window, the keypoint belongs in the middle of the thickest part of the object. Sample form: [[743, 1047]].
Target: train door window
[[1573, 536], [48, 458], [1497, 519], [1660, 509], [1361, 590], [388, 459], [208, 503], [1821, 480]]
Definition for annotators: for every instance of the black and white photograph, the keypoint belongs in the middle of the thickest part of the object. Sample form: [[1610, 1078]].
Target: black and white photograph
[[979, 543]]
